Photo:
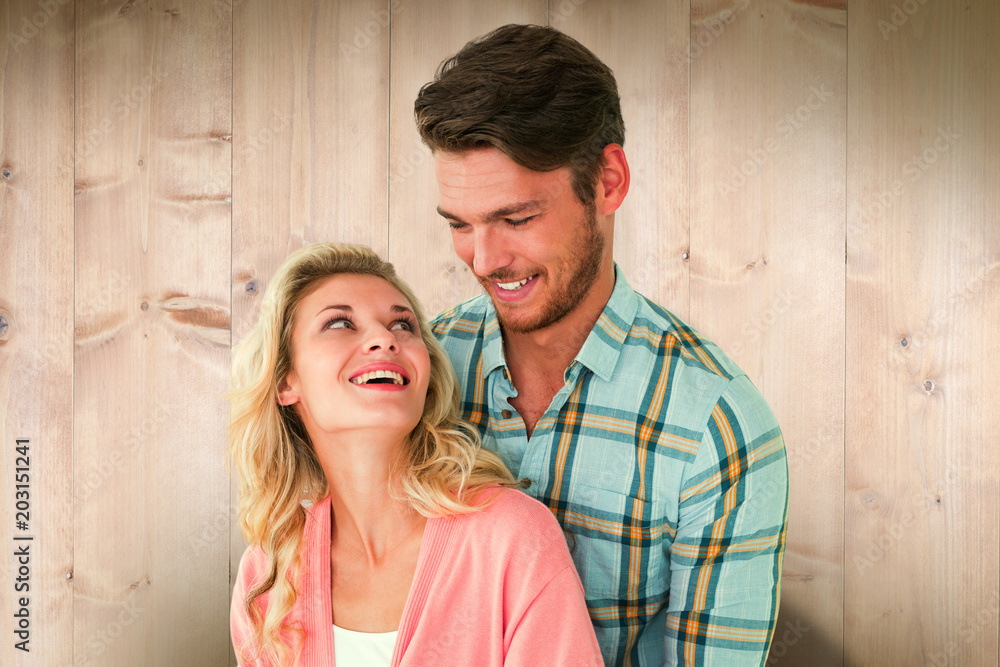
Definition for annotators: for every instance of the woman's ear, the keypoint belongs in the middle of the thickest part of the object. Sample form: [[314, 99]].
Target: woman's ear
[[287, 395]]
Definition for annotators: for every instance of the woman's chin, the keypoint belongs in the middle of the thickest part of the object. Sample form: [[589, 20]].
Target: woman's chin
[[387, 427]]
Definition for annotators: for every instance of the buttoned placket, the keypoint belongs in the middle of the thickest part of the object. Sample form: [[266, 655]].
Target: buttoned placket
[[513, 445]]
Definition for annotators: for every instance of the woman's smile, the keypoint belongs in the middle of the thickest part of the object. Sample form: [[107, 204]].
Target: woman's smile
[[382, 376], [360, 331]]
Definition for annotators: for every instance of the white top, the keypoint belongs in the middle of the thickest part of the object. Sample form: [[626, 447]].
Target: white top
[[363, 649]]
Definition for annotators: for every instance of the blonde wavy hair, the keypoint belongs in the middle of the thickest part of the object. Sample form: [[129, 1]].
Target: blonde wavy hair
[[440, 473]]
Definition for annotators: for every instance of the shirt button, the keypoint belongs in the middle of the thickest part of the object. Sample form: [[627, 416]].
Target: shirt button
[[505, 414]]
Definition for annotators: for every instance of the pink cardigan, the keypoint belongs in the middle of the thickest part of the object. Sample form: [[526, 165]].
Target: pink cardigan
[[496, 587]]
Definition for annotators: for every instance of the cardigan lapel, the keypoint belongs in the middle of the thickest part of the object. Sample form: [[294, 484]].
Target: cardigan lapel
[[433, 546], [316, 584], [316, 589]]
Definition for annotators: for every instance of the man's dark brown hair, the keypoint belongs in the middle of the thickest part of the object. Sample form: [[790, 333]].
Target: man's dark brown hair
[[532, 92]]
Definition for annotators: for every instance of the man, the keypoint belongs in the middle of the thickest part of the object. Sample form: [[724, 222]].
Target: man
[[654, 451]]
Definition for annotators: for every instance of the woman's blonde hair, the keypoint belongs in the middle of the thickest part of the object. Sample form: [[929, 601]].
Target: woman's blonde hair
[[440, 473]]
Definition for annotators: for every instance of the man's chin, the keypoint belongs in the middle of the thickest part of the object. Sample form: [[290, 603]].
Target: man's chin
[[521, 320]]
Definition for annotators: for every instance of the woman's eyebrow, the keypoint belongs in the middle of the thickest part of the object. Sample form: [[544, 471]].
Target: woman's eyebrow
[[336, 307], [394, 308]]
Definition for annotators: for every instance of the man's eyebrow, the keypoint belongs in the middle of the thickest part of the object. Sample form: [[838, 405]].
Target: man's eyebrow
[[502, 212]]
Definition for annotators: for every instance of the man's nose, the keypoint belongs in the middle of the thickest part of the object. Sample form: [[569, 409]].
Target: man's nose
[[490, 252]]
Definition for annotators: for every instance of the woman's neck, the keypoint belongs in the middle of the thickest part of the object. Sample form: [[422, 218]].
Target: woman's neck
[[365, 516]]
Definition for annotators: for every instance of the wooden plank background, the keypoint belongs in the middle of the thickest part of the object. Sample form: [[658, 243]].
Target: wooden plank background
[[815, 187], [36, 324], [767, 176], [923, 243]]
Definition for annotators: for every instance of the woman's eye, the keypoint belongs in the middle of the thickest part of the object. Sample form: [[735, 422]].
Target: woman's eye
[[338, 323], [402, 325]]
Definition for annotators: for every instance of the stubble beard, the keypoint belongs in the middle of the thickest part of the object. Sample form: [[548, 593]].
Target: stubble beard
[[586, 267]]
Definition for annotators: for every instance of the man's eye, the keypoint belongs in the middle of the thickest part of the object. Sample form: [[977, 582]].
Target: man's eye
[[517, 222], [455, 226]]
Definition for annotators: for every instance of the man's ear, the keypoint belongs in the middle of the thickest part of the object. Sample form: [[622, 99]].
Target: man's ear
[[287, 395], [613, 184]]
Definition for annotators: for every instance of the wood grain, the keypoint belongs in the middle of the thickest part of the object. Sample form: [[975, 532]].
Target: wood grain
[[207, 140], [36, 326], [923, 292], [646, 45], [423, 35], [768, 107], [153, 115]]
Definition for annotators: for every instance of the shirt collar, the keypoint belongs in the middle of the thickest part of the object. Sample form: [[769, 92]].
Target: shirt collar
[[603, 346]]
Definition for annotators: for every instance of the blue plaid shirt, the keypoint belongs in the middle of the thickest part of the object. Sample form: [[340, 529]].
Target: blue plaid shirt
[[664, 465]]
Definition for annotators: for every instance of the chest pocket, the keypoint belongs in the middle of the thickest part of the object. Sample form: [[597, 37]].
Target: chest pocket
[[618, 543]]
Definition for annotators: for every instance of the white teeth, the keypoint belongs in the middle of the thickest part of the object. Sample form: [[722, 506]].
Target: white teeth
[[513, 286], [364, 378]]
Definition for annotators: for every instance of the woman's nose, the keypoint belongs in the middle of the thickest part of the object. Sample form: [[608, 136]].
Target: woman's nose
[[381, 339]]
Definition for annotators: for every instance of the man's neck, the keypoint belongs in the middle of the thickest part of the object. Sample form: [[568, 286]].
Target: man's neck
[[551, 350]]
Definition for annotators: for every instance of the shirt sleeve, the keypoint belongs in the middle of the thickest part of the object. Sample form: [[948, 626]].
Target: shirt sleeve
[[725, 560], [240, 628], [555, 628]]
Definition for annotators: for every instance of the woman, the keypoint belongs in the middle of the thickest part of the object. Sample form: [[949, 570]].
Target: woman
[[379, 531]]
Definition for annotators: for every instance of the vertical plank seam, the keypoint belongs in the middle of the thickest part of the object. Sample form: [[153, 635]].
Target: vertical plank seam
[[690, 250], [843, 422], [388, 140], [72, 373]]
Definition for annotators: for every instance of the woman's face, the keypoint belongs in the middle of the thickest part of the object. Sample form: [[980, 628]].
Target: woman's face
[[358, 362]]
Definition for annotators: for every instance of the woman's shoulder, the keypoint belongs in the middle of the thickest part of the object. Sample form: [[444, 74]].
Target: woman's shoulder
[[514, 515], [253, 560], [515, 537], [518, 503], [315, 528]]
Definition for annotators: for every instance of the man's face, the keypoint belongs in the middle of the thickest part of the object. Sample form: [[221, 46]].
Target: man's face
[[536, 250]]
